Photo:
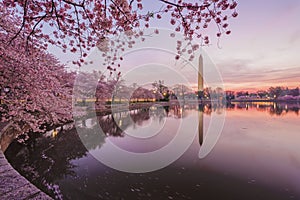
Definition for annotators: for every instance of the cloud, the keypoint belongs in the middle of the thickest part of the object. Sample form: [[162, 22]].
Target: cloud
[[255, 78], [294, 37], [235, 65]]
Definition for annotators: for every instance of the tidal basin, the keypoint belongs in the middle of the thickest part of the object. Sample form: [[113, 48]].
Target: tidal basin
[[256, 157]]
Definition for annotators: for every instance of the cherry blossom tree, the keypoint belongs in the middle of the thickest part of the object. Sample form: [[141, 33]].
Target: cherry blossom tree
[[35, 90], [86, 83], [94, 86], [181, 91], [77, 26], [105, 89], [142, 93], [34, 99]]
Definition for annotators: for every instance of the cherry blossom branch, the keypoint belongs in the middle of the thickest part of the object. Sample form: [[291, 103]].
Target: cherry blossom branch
[[23, 23], [56, 14], [33, 30], [88, 17], [170, 3], [74, 4], [78, 29], [121, 11], [102, 18]]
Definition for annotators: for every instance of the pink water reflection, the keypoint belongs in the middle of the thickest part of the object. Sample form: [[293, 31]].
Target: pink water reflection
[[259, 144]]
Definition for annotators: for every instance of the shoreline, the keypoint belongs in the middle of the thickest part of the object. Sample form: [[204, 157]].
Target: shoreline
[[124, 106], [12, 184], [259, 100]]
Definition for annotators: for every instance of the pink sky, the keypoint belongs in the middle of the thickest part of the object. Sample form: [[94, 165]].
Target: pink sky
[[263, 49]]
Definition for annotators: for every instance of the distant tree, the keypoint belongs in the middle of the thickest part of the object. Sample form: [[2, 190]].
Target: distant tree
[[214, 95], [87, 82], [207, 92], [105, 88], [294, 92], [229, 95], [262, 93], [181, 90], [238, 94], [94, 85], [142, 93], [161, 89], [242, 94], [275, 92], [157, 95]]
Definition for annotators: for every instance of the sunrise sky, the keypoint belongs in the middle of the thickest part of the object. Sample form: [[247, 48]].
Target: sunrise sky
[[263, 49]]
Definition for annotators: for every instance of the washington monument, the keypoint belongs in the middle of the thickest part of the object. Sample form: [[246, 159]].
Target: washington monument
[[200, 91], [200, 74]]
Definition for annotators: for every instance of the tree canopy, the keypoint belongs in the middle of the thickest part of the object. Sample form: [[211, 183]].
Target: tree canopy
[[79, 25]]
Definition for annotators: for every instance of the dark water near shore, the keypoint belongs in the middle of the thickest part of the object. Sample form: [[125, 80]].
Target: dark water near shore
[[256, 157]]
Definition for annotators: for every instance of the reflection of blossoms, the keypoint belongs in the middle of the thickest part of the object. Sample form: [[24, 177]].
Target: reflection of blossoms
[[42, 154]]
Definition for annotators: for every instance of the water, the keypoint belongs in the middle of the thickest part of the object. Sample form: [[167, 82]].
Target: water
[[256, 157]]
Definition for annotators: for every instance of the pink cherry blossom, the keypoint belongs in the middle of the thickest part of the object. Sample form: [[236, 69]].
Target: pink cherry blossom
[[76, 26]]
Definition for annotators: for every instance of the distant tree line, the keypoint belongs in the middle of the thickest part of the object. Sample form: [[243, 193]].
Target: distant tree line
[[272, 93]]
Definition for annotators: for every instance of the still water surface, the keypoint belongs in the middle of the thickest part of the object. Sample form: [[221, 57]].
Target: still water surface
[[256, 157]]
